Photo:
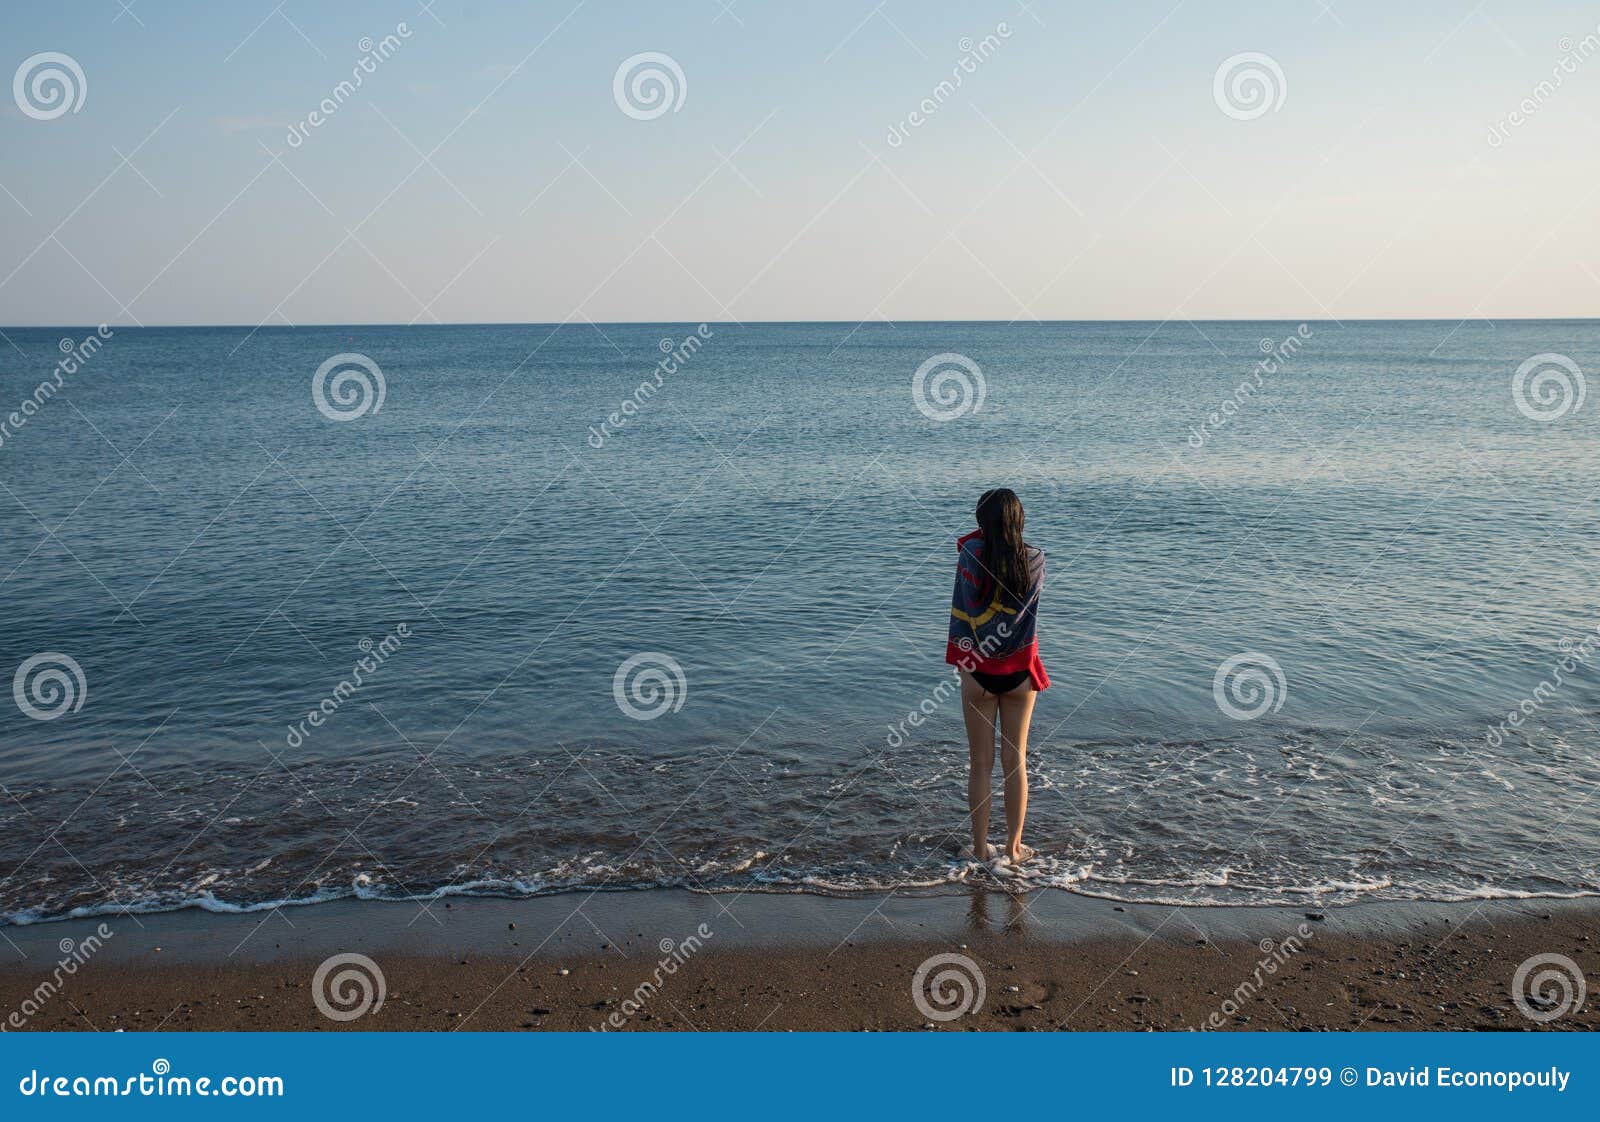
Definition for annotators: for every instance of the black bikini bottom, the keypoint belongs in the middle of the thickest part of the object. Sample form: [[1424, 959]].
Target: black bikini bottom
[[999, 683]]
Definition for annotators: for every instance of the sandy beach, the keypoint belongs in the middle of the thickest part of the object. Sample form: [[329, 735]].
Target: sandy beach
[[671, 960]]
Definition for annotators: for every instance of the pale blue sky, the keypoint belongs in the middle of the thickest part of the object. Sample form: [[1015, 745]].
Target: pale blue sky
[[1084, 170]]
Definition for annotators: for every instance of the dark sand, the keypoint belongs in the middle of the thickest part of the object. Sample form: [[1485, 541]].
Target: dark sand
[[1049, 961]]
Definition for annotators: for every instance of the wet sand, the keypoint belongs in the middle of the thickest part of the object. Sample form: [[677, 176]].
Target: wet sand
[[673, 960]]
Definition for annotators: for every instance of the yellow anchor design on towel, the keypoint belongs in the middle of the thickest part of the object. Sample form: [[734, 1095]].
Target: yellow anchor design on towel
[[984, 616]]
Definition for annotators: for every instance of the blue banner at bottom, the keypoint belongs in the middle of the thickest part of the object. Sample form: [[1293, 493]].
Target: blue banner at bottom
[[793, 1075]]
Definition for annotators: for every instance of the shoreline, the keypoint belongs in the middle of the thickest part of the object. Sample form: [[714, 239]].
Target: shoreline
[[673, 959]]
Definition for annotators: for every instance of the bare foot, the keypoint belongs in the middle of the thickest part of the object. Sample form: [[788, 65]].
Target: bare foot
[[1021, 854], [987, 855]]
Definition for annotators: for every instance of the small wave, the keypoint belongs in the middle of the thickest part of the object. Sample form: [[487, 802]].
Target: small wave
[[1495, 892], [743, 874]]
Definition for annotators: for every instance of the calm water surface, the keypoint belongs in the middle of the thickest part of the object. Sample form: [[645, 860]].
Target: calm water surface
[[1401, 555]]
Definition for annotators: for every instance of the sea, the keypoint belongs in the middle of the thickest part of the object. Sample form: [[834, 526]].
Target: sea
[[296, 614]]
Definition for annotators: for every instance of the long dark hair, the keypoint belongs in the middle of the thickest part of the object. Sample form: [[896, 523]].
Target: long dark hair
[[1005, 555]]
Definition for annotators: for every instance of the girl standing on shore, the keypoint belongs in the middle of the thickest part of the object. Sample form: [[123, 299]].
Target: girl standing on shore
[[992, 616]]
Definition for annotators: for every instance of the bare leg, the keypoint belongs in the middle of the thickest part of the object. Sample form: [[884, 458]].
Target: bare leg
[[1016, 710], [978, 710]]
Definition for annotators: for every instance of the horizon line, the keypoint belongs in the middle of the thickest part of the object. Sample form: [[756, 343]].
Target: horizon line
[[806, 322]]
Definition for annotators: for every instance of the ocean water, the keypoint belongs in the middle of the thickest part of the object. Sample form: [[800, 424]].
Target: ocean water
[[1284, 640]]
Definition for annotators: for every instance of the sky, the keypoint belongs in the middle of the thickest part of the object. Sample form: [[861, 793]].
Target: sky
[[812, 161]]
